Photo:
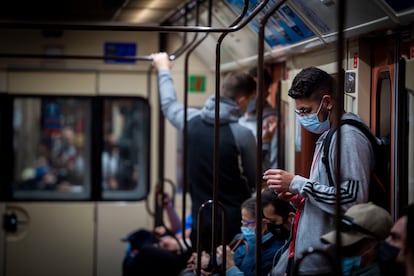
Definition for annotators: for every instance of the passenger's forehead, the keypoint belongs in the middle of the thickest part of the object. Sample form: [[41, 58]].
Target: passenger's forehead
[[304, 103], [246, 213], [269, 211], [400, 226]]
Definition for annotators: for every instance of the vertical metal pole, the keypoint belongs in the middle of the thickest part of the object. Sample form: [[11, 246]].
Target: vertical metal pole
[[192, 46], [217, 145], [158, 216], [259, 118], [339, 109]]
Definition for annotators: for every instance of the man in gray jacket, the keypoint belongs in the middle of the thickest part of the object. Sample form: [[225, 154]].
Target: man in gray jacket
[[315, 197], [237, 163]]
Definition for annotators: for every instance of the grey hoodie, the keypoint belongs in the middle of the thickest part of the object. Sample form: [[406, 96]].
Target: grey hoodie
[[318, 214]]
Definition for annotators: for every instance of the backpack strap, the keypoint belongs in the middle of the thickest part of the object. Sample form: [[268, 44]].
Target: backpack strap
[[375, 143], [325, 157], [367, 132], [327, 142]]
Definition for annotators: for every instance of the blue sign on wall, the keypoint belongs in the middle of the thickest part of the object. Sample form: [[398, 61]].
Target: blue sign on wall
[[123, 50]]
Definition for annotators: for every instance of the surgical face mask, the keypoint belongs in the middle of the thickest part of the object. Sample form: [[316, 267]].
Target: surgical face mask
[[387, 253], [248, 232], [312, 123], [278, 230], [387, 257], [349, 264]]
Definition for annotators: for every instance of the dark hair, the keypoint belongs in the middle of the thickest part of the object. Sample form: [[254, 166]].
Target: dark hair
[[236, 84], [311, 83], [267, 77], [250, 205], [282, 208]]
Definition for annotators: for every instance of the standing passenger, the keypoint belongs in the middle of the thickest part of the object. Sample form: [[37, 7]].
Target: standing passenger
[[269, 133], [315, 197], [237, 165]]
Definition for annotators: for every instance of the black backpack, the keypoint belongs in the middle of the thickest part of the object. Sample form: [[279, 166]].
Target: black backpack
[[379, 186]]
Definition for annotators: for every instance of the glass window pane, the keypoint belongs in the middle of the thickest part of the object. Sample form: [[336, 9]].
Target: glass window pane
[[125, 155], [385, 108], [51, 145]]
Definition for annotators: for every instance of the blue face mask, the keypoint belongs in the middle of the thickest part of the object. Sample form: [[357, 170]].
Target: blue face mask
[[349, 264], [312, 123], [248, 232]]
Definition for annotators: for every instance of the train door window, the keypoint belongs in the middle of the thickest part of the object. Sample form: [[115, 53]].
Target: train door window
[[411, 147], [383, 127], [125, 155], [49, 142]]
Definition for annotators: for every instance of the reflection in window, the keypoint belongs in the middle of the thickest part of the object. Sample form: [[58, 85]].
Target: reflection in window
[[126, 147], [384, 126], [51, 147]]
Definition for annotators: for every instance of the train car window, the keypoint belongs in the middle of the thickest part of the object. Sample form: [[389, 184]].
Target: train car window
[[125, 154], [320, 14], [50, 135], [383, 127], [285, 26], [411, 147]]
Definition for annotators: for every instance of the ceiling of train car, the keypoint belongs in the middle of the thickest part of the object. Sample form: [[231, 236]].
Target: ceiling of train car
[[298, 26], [145, 12], [317, 13]]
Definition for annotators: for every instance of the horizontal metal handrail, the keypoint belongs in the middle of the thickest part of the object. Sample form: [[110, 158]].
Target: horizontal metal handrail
[[114, 26]]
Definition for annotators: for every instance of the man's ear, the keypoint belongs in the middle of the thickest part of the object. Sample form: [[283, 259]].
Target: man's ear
[[291, 218], [264, 226], [328, 102]]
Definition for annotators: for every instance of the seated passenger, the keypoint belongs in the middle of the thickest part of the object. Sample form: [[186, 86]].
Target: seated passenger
[[395, 253], [241, 244], [278, 217], [364, 227], [146, 249], [145, 258]]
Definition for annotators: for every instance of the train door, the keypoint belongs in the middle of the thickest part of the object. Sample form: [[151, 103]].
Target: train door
[[72, 195], [49, 227], [36, 246], [405, 144], [390, 107], [383, 98]]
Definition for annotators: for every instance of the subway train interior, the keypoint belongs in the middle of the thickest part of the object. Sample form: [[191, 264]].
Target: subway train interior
[[77, 86]]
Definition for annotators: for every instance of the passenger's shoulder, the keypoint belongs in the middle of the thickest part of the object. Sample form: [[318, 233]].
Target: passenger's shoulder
[[241, 128], [352, 116], [354, 133], [242, 134]]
